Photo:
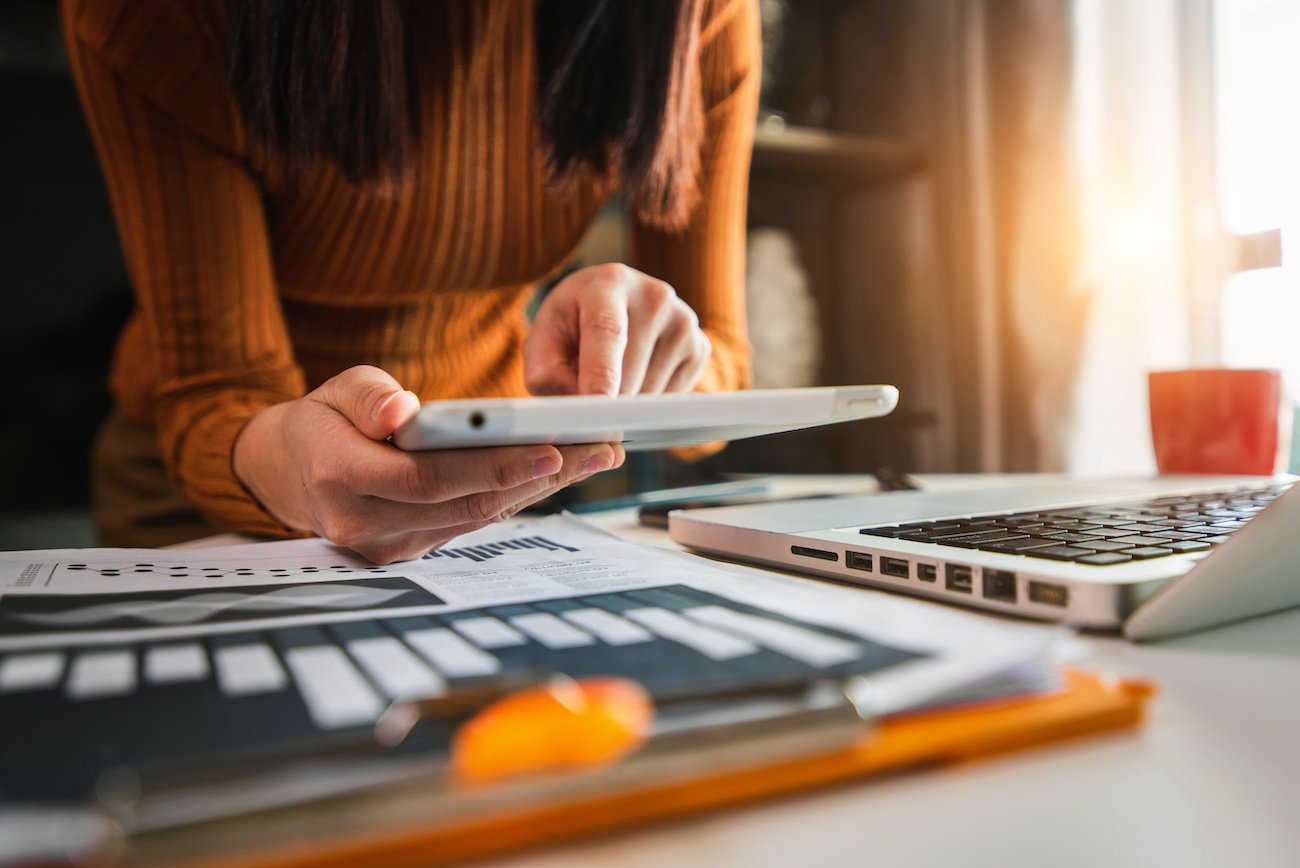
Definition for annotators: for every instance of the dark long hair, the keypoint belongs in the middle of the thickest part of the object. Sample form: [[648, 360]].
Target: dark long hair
[[617, 86]]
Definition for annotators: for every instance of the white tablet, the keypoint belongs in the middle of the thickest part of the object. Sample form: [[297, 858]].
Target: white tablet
[[639, 422]]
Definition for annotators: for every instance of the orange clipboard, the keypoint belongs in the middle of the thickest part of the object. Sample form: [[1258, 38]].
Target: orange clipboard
[[1084, 704]]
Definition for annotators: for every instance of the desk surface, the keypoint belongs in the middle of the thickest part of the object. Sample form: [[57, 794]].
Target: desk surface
[[1212, 779]]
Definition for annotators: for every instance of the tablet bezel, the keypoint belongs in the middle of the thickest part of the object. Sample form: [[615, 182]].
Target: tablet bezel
[[640, 422]]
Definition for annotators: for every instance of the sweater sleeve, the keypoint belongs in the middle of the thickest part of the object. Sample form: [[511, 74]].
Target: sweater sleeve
[[705, 262], [190, 219]]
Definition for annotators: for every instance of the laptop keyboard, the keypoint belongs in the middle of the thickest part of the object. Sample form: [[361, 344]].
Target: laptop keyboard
[[1099, 535]]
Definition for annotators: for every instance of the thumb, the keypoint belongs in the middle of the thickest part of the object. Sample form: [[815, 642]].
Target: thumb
[[370, 399]]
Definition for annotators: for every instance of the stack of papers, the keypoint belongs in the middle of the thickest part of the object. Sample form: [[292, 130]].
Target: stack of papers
[[113, 658]]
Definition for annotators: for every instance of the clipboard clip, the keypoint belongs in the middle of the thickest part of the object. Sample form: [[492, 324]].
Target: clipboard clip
[[534, 722]]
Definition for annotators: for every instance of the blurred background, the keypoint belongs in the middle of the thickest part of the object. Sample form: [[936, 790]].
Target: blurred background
[[1012, 209]]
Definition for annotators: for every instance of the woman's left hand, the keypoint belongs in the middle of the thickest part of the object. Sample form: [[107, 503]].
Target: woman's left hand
[[611, 330]]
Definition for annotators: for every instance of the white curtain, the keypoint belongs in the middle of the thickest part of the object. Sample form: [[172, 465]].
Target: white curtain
[[1137, 159]]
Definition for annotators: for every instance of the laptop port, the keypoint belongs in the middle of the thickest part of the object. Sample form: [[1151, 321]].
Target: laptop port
[[958, 578], [1000, 585], [927, 572], [858, 561], [1052, 595], [820, 554], [896, 567]]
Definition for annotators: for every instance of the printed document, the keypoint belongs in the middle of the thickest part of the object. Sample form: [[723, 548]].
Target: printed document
[[60, 600]]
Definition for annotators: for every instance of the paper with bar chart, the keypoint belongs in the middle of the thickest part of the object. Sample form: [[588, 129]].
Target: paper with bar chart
[[119, 657]]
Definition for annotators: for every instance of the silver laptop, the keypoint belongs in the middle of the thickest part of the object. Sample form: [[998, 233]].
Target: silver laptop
[[1155, 557]]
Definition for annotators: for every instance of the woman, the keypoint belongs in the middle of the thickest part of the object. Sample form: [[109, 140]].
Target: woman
[[331, 211]]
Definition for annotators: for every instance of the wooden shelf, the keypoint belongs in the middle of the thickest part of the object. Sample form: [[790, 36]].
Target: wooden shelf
[[858, 160]]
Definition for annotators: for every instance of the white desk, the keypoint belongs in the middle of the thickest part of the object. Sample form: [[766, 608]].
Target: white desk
[[1212, 779]]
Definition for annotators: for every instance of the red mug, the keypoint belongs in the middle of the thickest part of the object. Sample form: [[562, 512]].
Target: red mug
[[1217, 420]]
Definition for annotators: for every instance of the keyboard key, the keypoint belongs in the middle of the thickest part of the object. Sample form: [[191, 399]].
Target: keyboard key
[[1060, 553], [248, 668], [712, 643], [962, 530], [1202, 529], [608, 627], [397, 671], [928, 525], [1216, 540], [96, 674], [551, 631], [336, 694], [921, 530], [1017, 545], [175, 664], [1144, 552], [978, 541], [1188, 545], [1177, 534], [1139, 540], [1104, 545], [1073, 524], [35, 671], [1070, 537], [1169, 500], [804, 645], [1139, 527], [1102, 559]]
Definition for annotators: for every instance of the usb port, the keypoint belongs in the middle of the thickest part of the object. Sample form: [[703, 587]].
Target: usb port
[[1000, 585], [820, 554], [958, 578], [1052, 595], [858, 561], [896, 567], [927, 572]]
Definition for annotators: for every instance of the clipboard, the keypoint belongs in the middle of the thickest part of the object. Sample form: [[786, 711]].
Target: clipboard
[[365, 833]]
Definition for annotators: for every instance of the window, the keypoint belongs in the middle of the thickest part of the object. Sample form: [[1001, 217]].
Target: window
[[1258, 129]]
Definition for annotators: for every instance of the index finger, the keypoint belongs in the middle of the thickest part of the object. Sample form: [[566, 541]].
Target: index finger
[[602, 338]]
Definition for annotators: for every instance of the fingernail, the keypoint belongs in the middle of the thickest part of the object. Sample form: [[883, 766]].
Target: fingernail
[[394, 396], [548, 466], [596, 463]]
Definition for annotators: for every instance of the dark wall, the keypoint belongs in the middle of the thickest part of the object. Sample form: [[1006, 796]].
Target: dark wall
[[62, 281]]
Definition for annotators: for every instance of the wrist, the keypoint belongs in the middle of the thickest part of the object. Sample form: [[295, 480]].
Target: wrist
[[258, 463]]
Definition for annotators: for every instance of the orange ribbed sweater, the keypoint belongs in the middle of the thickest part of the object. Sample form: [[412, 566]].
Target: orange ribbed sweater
[[251, 291]]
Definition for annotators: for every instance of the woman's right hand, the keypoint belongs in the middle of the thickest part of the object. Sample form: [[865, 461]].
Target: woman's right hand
[[322, 464]]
